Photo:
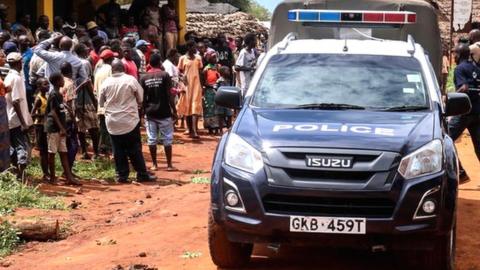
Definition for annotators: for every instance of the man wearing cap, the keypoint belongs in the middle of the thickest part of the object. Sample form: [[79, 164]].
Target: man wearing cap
[[93, 31], [55, 59], [142, 49], [19, 119], [23, 25], [102, 72]]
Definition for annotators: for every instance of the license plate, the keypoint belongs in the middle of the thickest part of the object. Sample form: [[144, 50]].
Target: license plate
[[328, 225]]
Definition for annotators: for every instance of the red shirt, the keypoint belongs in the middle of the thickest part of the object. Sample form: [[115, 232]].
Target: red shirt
[[95, 57], [130, 67], [149, 52]]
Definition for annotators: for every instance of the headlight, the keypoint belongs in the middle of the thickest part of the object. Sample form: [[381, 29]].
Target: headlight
[[426, 160], [241, 155]]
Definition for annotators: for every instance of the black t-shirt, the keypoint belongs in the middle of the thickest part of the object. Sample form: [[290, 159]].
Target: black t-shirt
[[468, 73], [225, 56], [156, 96], [55, 103]]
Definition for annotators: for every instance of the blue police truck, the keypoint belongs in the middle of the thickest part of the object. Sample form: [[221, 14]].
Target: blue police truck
[[340, 141]]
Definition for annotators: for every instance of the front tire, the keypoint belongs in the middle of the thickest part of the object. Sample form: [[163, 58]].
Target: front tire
[[441, 257], [224, 253]]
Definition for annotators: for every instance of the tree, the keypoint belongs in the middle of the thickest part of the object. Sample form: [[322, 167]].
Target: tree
[[259, 11], [249, 6]]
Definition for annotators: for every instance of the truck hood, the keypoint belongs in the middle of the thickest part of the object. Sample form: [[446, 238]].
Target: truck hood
[[400, 132]]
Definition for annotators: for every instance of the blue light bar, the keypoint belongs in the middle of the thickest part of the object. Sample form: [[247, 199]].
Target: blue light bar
[[308, 16], [330, 16], [352, 16], [292, 15]]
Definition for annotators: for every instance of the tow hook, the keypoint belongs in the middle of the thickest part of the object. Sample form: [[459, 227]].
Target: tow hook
[[378, 248], [274, 247]]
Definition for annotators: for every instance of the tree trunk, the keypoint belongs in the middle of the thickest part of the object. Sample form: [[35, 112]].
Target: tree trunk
[[36, 229]]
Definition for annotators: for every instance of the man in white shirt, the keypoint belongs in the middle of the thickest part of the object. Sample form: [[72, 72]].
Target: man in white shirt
[[170, 64], [121, 96], [19, 119], [245, 63]]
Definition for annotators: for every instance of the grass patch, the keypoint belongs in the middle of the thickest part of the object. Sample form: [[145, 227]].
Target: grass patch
[[199, 171], [200, 180], [9, 239], [15, 194], [190, 255], [85, 169], [450, 83]]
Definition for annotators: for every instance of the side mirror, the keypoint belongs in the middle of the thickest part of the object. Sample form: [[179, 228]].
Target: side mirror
[[230, 97], [457, 104]]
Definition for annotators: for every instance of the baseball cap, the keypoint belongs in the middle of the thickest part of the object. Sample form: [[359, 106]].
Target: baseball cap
[[107, 54], [14, 57], [91, 25], [9, 47], [141, 42]]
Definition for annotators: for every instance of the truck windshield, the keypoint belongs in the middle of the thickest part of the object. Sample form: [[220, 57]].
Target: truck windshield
[[334, 81]]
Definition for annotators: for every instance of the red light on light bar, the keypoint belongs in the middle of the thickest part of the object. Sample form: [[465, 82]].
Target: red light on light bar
[[395, 17], [373, 17], [412, 18]]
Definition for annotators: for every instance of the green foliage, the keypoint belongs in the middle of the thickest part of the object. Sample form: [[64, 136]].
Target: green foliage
[[251, 7], [200, 180], [8, 238], [190, 255], [259, 11], [15, 194], [199, 171], [85, 169], [450, 84]]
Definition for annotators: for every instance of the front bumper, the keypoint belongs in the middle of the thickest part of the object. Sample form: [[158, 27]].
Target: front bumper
[[396, 230]]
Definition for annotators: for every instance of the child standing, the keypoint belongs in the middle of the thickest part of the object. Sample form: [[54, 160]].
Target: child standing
[[68, 93], [211, 76], [56, 129], [38, 115], [223, 114]]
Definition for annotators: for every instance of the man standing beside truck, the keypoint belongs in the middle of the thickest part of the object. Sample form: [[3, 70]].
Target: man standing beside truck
[[467, 80]]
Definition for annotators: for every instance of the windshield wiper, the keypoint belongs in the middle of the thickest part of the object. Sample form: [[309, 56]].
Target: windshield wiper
[[405, 109], [328, 106]]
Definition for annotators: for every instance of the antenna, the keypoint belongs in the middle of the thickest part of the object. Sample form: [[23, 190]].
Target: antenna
[[345, 48], [411, 45]]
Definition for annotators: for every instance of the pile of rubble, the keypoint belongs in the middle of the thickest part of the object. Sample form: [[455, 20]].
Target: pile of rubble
[[236, 24]]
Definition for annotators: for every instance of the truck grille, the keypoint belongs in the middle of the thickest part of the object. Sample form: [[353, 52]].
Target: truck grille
[[321, 206], [315, 175]]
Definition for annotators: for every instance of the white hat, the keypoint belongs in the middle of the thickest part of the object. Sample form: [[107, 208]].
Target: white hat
[[14, 57]]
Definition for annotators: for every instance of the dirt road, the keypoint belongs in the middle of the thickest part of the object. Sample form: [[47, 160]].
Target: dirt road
[[163, 225]]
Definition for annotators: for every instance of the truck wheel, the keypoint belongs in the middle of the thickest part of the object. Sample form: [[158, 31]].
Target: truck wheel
[[441, 257], [226, 254]]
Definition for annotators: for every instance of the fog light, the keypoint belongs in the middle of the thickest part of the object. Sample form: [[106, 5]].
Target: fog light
[[231, 198], [429, 206]]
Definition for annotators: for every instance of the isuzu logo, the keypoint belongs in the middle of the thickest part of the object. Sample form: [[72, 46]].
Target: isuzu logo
[[329, 162]]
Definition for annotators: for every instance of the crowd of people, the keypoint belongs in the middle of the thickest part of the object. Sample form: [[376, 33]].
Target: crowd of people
[[467, 80], [98, 84]]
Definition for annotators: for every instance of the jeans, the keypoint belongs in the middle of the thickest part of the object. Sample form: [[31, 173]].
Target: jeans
[[125, 147], [19, 146], [458, 124]]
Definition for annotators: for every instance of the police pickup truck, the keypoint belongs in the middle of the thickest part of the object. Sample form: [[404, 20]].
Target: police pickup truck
[[339, 143]]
